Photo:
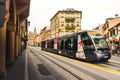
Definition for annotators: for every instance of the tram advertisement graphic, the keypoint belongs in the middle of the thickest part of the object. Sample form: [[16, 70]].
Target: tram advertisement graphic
[[55, 43]]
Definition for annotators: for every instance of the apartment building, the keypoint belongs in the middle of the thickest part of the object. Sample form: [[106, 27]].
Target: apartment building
[[111, 28], [65, 22]]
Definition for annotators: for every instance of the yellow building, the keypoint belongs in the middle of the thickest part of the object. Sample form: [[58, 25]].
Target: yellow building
[[48, 33], [65, 22]]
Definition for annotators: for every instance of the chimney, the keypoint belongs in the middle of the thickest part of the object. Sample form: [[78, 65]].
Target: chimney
[[116, 15]]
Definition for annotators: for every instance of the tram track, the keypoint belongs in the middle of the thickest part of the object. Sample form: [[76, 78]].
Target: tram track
[[91, 74], [96, 71], [80, 69], [106, 64]]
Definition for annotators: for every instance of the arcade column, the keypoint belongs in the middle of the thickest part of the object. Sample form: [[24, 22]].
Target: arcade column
[[10, 44], [4, 16], [17, 33], [16, 44], [2, 51]]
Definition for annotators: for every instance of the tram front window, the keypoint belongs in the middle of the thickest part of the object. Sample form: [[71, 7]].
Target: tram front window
[[100, 43]]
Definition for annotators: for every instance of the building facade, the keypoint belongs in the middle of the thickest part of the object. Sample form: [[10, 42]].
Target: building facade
[[111, 28], [13, 31], [43, 33], [100, 28], [37, 40], [65, 22], [32, 38], [111, 31]]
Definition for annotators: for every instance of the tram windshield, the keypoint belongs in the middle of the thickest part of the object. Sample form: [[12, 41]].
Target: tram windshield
[[99, 41]]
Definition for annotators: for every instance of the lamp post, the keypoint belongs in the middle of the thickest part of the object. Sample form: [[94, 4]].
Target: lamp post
[[28, 23]]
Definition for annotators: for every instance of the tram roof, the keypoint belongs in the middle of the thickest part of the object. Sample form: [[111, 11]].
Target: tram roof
[[71, 35], [68, 35]]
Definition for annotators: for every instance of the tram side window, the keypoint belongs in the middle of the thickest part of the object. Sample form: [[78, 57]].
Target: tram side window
[[71, 44], [43, 44], [74, 45], [67, 44], [61, 45], [52, 44], [48, 46]]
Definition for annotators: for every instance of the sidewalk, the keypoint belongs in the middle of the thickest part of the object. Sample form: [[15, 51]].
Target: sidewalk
[[115, 58], [16, 71]]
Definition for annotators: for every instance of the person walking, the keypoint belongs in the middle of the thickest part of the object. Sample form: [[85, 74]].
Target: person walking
[[113, 49], [118, 50]]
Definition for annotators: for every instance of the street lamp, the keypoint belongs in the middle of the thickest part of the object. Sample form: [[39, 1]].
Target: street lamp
[[28, 23]]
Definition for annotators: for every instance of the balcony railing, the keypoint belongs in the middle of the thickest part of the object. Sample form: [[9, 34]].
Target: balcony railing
[[69, 19], [70, 27]]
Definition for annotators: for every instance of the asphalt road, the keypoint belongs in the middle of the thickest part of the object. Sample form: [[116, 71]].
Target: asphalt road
[[62, 68], [35, 64]]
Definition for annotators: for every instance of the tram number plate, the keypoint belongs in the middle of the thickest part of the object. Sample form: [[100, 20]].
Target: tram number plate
[[105, 56]]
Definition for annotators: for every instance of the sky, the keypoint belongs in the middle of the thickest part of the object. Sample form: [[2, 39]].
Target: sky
[[94, 12]]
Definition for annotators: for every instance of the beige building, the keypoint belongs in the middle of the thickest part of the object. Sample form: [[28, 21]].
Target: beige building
[[111, 27], [65, 22], [48, 36], [111, 30], [37, 40]]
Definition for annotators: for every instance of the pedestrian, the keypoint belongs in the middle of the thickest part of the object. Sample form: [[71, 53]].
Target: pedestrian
[[118, 50], [113, 49]]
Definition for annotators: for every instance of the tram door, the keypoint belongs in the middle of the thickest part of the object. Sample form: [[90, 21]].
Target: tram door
[[71, 46], [88, 46]]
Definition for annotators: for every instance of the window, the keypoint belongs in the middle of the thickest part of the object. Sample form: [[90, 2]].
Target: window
[[110, 33], [72, 24], [62, 23], [62, 16], [77, 24], [67, 25], [113, 31], [61, 46]]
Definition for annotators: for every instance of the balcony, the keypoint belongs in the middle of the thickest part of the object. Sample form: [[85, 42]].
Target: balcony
[[70, 27], [69, 19]]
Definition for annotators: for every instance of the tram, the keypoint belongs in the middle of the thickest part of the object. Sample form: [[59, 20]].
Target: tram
[[84, 45]]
